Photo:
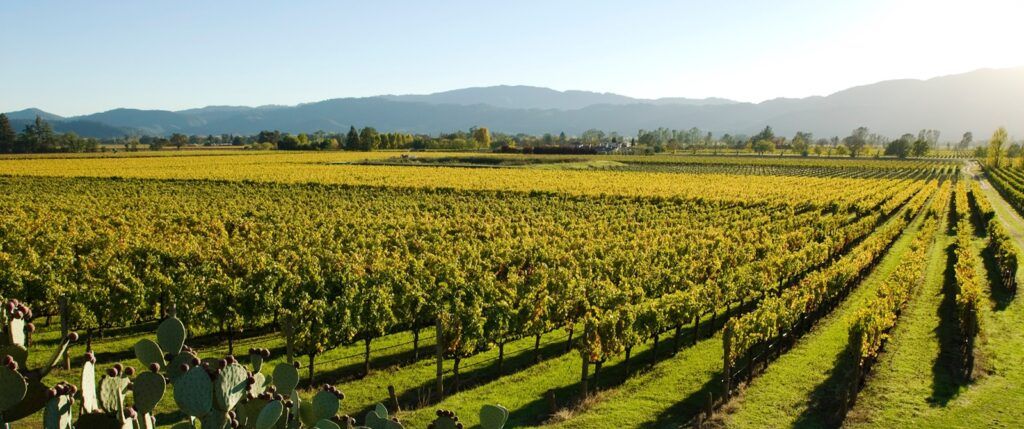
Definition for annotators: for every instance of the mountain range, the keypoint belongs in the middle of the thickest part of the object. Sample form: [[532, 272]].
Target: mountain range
[[977, 101]]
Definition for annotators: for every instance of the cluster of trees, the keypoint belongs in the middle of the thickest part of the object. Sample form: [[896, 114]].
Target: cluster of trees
[[39, 137]]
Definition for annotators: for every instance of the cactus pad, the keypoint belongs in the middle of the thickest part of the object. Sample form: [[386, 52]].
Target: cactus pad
[[493, 416], [148, 388], [193, 392], [16, 332], [270, 414], [171, 335], [57, 414], [149, 352], [445, 422], [378, 417], [18, 353], [112, 390], [230, 386], [325, 405], [173, 369], [90, 403], [14, 387], [286, 377], [326, 424]]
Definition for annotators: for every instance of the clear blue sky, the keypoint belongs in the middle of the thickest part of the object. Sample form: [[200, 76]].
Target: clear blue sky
[[73, 57]]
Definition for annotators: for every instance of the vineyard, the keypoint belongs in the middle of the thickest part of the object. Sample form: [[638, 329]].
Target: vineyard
[[563, 291]]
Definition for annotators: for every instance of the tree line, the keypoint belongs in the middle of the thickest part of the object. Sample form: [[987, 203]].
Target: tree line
[[39, 137]]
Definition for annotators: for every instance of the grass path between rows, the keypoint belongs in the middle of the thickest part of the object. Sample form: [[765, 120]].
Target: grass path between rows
[[994, 400], [903, 383], [794, 391]]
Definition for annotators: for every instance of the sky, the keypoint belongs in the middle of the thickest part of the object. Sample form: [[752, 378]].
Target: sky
[[73, 57]]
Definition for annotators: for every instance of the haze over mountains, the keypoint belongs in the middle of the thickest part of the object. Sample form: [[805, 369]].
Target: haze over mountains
[[977, 101]]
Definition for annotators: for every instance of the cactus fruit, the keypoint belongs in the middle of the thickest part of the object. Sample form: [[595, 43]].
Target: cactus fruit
[[493, 416], [446, 419]]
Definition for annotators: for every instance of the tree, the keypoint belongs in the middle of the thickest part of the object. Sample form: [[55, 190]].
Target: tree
[[995, 147], [369, 139], [352, 139], [482, 136], [929, 136], [765, 134], [762, 146], [802, 142], [920, 147], [179, 140], [856, 141], [289, 142], [37, 137], [900, 147], [7, 135], [966, 141]]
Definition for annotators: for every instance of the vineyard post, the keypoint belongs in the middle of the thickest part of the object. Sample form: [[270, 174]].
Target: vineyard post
[[64, 328], [584, 391], [727, 361], [696, 328], [438, 346]]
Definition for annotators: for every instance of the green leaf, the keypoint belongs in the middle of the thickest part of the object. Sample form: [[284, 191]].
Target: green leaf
[[193, 392]]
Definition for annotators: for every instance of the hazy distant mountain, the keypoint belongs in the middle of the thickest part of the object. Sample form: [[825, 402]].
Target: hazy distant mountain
[[31, 113], [532, 97], [978, 101]]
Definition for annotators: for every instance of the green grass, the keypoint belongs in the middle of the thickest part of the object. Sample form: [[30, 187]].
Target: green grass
[[525, 392], [903, 384], [994, 399], [799, 389]]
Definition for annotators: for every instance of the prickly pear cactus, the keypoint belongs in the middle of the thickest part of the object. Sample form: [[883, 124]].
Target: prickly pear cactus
[[13, 385], [193, 392], [270, 414], [23, 393], [230, 386], [493, 417], [147, 391], [285, 377], [57, 414], [446, 419]]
